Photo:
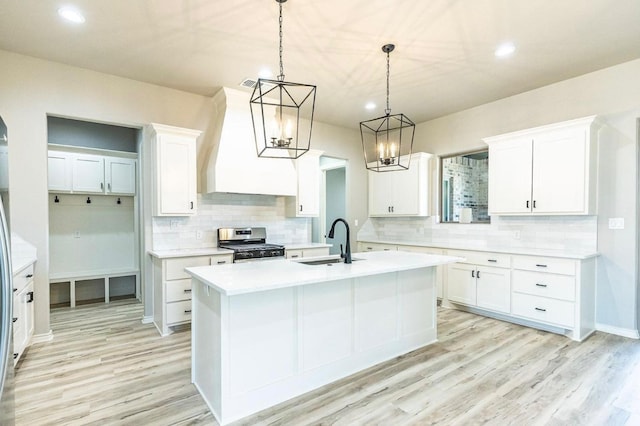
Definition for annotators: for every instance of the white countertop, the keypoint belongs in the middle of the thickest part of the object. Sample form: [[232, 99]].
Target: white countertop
[[251, 277], [567, 254], [212, 251], [208, 251], [23, 254]]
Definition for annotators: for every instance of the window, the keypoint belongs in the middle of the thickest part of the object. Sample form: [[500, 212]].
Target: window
[[464, 188]]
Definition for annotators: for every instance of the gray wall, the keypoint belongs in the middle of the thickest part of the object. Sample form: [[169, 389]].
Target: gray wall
[[614, 95], [64, 131]]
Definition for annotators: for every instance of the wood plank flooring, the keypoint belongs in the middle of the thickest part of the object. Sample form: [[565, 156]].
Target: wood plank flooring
[[105, 367]]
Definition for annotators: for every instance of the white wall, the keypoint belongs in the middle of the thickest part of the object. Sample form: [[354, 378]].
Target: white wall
[[32, 88], [613, 94]]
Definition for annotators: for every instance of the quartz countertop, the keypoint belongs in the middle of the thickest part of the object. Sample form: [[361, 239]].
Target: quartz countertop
[[23, 254], [567, 254], [209, 251], [212, 251], [252, 277]]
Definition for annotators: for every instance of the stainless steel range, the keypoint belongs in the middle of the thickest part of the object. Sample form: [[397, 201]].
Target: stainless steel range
[[248, 244]]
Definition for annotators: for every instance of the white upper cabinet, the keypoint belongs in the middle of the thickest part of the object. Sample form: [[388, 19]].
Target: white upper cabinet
[[307, 201], [175, 170], [81, 173], [401, 193], [60, 171], [120, 175], [548, 170], [88, 174]]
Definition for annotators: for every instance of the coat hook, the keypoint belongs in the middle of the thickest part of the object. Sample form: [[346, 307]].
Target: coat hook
[[88, 200], [56, 200], [118, 202]]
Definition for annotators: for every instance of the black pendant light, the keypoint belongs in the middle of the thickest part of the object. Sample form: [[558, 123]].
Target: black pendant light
[[387, 141], [282, 113]]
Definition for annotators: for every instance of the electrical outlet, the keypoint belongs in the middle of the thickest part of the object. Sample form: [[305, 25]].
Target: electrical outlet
[[76, 234], [616, 223], [516, 235], [173, 224], [198, 234]]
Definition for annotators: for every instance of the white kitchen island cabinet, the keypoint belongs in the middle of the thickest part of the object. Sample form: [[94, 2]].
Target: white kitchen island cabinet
[[265, 332]]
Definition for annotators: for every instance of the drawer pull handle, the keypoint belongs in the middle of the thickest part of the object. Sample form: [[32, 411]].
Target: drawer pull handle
[[188, 311], [541, 310], [220, 262], [540, 285], [14, 319], [293, 256], [30, 294], [473, 274], [478, 274], [15, 355], [492, 260], [15, 289], [29, 275], [540, 265], [188, 290]]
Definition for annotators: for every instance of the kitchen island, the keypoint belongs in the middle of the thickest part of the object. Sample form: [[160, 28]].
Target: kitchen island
[[265, 332]]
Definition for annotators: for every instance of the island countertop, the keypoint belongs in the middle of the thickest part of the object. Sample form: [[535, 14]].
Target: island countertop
[[251, 277]]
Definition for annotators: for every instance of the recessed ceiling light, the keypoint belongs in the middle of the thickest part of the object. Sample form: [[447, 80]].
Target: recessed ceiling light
[[265, 73], [71, 14], [370, 105], [504, 50]]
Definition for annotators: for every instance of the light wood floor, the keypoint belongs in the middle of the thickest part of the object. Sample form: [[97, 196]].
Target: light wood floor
[[105, 367]]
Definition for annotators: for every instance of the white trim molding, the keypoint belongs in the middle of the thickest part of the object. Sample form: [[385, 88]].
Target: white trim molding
[[624, 332], [41, 338]]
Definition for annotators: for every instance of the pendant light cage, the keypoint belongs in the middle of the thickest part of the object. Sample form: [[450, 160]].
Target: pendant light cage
[[387, 141], [282, 113]]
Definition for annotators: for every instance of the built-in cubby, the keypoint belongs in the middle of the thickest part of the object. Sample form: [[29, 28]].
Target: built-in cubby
[[93, 212]]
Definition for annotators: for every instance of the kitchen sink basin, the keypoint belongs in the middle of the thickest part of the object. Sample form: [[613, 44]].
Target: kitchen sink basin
[[327, 262]]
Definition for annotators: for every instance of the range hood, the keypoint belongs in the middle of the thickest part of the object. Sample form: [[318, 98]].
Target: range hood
[[234, 165]]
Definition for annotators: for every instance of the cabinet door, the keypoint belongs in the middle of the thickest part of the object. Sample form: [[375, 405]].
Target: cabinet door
[[405, 190], [176, 175], [510, 168], [380, 193], [59, 171], [29, 315], [493, 289], [88, 173], [308, 169], [461, 283], [120, 175], [559, 172]]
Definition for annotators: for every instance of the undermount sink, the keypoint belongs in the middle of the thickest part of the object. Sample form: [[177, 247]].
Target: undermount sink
[[328, 262]]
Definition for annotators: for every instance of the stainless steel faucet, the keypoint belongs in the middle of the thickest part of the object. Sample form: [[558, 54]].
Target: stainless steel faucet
[[347, 254]]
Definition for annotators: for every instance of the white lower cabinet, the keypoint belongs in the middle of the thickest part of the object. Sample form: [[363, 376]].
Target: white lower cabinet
[[556, 292], [473, 283], [172, 288], [23, 311]]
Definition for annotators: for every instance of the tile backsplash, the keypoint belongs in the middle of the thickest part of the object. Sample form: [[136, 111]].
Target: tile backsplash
[[570, 233], [223, 210]]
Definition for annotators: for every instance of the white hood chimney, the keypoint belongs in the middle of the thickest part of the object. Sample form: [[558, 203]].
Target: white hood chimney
[[234, 165]]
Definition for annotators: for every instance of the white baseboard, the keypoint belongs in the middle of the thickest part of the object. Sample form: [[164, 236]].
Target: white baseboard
[[147, 319], [624, 332], [40, 338]]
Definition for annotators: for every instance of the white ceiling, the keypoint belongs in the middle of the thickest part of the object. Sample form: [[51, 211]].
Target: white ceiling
[[443, 61]]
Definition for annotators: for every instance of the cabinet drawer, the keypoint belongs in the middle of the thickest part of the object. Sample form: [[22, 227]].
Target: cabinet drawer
[[377, 247], [221, 259], [482, 258], [293, 254], [22, 278], [178, 312], [546, 285], [551, 311], [545, 264], [175, 267], [178, 290]]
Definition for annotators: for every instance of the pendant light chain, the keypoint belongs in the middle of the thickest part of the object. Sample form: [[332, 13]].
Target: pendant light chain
[[388, 110], [281, 76]]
